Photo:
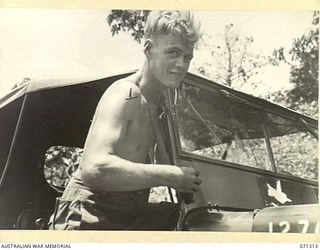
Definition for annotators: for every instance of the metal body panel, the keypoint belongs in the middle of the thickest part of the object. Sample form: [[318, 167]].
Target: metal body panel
[[288, 219], [237, 188], [206, 219]]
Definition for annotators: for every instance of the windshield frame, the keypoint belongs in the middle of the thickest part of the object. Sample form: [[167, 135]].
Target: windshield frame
[[202, 83]]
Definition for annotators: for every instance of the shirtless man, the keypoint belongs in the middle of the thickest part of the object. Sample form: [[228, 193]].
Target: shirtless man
[[110, 189]]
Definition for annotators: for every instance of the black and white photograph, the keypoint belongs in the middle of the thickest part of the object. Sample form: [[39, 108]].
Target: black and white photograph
[[159, 120]]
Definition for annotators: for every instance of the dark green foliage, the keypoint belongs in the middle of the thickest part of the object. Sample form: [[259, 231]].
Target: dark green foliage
[[128, 21], [303, 58], [305, 51], [60, 163]]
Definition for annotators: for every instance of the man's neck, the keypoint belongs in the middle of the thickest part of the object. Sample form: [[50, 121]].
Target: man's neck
[[150, 87]]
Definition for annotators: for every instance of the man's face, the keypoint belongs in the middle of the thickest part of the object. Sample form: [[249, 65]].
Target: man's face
[[169, 59]]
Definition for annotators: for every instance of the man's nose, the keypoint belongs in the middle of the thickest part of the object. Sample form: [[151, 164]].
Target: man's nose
[[181, 62]]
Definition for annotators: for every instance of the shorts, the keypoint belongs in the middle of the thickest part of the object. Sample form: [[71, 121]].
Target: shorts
[[82, 209]]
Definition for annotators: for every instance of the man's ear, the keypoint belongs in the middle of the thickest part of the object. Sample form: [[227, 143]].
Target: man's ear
[[147, 47]]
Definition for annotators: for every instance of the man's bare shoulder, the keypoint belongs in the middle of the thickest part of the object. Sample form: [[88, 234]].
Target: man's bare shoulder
[[122, 96], [126, 88]]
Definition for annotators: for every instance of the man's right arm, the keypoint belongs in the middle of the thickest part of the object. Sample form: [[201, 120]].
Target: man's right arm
[[104, 170]]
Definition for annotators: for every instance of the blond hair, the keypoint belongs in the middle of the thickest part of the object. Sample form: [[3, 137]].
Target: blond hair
[[181, 23]]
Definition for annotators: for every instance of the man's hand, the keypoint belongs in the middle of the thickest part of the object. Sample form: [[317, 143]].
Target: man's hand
[[188, 180]]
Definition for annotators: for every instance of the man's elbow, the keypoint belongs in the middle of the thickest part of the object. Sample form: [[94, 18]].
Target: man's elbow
[[98, 175], [106, 174], [90, 174], [95, 172]]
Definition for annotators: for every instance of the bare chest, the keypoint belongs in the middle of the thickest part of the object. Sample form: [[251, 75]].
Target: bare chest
[[139, 136]]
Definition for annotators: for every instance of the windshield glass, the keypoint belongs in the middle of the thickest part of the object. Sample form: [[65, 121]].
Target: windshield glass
[[218, 125], [295, 149]]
